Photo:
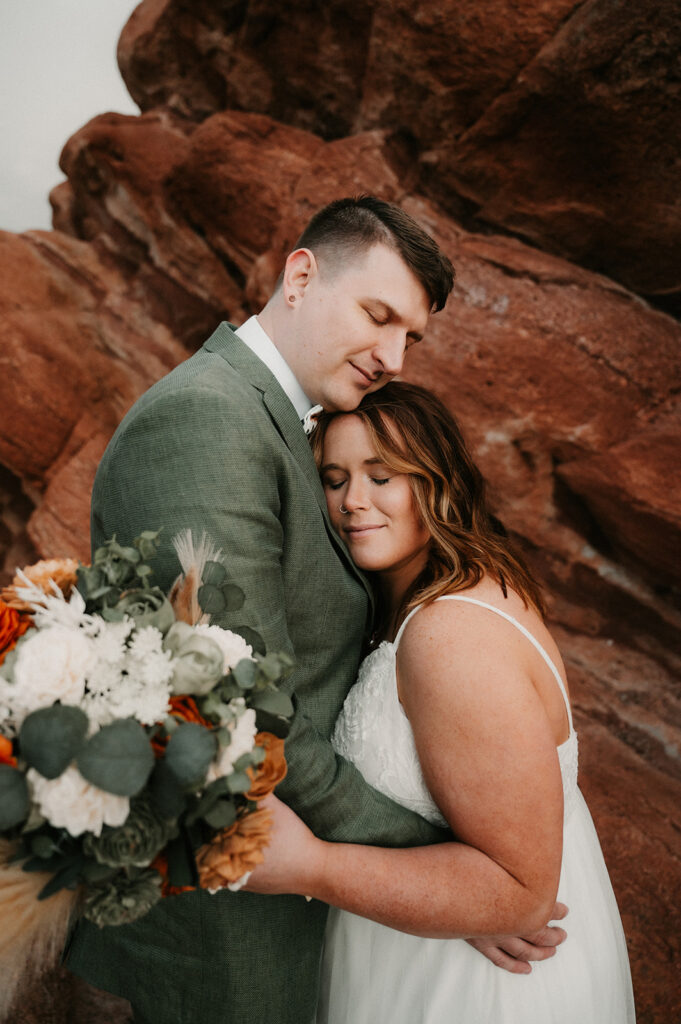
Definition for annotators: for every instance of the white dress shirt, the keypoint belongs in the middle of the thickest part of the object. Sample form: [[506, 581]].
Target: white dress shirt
[[260, 343]]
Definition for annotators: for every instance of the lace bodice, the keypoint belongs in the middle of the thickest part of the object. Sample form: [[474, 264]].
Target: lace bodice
[[374, 733]]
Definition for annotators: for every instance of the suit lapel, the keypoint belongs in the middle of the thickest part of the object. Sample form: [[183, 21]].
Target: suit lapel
[[227, 344]]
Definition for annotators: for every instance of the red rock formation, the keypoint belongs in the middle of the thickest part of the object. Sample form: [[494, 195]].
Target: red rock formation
[[566, 383], [560, 122]]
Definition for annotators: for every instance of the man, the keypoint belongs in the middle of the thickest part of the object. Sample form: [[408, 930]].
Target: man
[[218, 446]]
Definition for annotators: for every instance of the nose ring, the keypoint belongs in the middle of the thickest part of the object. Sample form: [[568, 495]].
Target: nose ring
[[343, 511]]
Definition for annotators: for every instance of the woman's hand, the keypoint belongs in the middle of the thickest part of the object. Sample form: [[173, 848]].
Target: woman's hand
[[294, 857]]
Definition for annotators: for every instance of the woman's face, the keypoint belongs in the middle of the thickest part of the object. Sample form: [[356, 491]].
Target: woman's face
[[381, 527]]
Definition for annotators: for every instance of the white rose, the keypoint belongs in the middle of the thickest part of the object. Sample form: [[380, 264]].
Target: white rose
[[52, 665], [242, 741], [233, 646], [70, 802]]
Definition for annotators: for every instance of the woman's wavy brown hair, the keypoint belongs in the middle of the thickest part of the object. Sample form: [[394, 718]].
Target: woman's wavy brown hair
[[414, 433]]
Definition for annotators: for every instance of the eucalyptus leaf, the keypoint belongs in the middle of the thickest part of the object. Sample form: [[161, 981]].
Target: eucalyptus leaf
[[250, 759], [239, 782], [51, 737], [245, 672], [213, 793], [227, 690], [14, 798], [276, 702], [271, 667], [118, 758], [251, 637], [189, 752], [221, 815], [214, 573], [211, 599], [234, 597]]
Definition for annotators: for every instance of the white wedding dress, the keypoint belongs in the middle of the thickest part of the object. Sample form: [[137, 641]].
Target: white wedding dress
[[372, 974]]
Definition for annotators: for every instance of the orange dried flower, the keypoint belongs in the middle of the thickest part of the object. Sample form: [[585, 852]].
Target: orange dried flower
[[269, 774], [6, 752], [185, 708], [234, 851], [61, 570], [12, 626]]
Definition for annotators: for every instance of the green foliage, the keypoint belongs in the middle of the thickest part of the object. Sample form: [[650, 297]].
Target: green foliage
[[118, 758], [214, 574], [189, 752], [165, 792], [14, 798], [51, 737], [251, 637], [245, 673], [124, 898], [136, 842], [116, 569]]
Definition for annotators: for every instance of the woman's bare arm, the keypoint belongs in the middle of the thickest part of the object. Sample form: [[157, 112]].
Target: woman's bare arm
[[490, 762]]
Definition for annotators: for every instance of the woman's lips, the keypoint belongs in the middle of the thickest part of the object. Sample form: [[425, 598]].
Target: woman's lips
[[355, 532]]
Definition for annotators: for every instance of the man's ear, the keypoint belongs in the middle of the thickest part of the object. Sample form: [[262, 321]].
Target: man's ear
[[300, 269]]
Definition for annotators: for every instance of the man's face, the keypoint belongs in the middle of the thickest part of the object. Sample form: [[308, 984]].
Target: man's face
[[353, 325]]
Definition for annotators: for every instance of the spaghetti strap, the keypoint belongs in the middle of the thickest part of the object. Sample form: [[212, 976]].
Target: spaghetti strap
[[509, 618]]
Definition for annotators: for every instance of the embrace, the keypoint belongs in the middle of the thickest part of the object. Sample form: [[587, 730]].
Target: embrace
[[433, 805]]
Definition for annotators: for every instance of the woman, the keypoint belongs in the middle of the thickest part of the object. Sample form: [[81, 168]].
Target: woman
[[461, 713]]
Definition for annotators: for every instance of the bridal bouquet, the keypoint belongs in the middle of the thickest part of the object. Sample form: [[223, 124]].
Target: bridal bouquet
[[131, 761]]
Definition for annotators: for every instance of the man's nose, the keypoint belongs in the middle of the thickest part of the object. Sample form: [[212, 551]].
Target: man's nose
[[389, 352]]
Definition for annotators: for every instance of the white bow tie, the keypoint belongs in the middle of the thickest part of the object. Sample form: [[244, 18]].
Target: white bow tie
[[309, 420]]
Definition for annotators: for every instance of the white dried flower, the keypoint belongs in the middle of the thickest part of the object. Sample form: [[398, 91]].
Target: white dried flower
[[109, 643], [146, 659], [241, 742], [71, 802], [233, 646], [52, 665]]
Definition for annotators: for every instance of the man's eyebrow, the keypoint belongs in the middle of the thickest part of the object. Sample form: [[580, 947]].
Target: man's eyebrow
[[394, 315]]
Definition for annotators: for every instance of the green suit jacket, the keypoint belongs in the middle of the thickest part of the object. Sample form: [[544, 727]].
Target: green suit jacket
[[217, 446]]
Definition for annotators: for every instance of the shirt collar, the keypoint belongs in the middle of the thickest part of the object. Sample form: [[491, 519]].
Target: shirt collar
[[254, 335]]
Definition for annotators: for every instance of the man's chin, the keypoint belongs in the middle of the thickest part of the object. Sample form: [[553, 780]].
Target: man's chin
[[348, 401]]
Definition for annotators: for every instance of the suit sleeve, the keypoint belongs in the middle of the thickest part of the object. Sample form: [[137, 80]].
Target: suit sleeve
[[191, 459]]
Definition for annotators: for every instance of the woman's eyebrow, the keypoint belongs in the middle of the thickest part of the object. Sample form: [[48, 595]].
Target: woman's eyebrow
[[367, 462]]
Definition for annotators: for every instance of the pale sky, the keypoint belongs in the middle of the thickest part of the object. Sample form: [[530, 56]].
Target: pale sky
[[57, 70]]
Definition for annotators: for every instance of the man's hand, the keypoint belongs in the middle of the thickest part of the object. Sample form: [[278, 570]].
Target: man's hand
[[512, 953]]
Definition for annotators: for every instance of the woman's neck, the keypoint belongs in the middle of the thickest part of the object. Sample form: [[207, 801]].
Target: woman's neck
[[393, 585]]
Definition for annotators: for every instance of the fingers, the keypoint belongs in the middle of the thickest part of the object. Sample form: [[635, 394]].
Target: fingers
[[559, 912], [526, 950], [551, 935], [499, 957]]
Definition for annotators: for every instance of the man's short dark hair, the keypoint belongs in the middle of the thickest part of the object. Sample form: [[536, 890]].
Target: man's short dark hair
[[354, 225]]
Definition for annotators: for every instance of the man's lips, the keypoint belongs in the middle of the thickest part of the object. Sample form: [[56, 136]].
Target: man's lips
[[370, 378]]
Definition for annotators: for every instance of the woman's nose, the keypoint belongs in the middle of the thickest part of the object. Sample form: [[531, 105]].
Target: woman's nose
[[356, 496]]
